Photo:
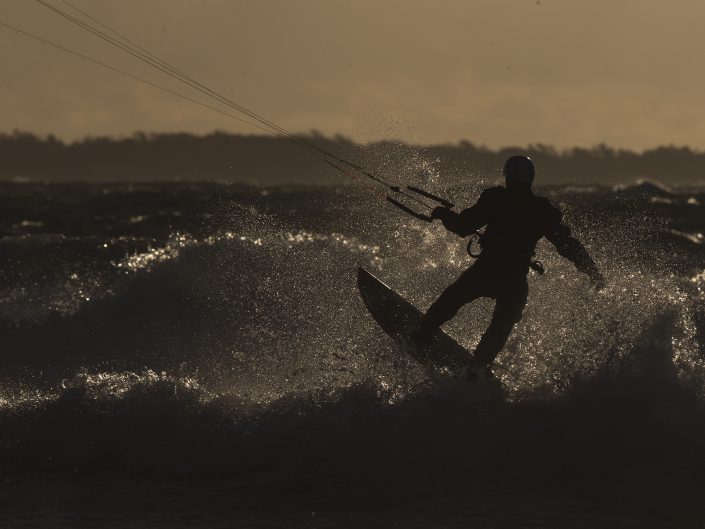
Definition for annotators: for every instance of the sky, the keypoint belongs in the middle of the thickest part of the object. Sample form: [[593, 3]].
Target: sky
[[628, 73]]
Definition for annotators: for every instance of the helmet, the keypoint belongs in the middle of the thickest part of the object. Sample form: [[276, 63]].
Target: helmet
[[519, 170]]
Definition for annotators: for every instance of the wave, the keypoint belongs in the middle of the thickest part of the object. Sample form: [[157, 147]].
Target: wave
[[625, 434]]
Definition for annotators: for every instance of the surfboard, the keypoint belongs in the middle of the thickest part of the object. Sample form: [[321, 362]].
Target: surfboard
[[399, 318]]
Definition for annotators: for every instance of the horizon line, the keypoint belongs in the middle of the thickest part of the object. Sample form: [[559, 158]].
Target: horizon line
[[341, 138]]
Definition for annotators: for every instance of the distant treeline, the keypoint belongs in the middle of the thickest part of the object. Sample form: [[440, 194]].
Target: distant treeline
[[269, 160]]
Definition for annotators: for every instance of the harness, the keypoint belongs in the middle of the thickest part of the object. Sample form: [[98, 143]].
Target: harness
[[477, 237]]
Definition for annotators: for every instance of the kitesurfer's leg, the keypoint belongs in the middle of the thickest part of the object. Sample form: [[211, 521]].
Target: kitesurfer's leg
[[492, 341], [507, 312], [464, 290]]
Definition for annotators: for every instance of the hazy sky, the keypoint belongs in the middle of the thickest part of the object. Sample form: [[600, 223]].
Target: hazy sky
[[629, 73]]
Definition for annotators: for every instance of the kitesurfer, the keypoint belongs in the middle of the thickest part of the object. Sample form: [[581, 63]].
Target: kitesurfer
[[515, 219]]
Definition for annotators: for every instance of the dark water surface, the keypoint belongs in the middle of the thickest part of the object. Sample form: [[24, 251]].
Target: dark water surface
[[198, 356]]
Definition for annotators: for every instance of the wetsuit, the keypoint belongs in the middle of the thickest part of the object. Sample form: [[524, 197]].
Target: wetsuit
[[515, 221]]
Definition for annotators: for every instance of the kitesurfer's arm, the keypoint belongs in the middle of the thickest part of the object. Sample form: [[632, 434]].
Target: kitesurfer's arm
[[467, 221], [572, 249]]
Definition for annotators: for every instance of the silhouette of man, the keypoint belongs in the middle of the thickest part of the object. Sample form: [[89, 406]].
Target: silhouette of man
[[515, 219]]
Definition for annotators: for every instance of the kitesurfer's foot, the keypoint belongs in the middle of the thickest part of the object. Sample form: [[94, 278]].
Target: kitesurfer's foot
[[419, 342], [477, 372]]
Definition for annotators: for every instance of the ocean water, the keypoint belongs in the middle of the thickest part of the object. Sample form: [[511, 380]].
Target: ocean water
[[197, 355]]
